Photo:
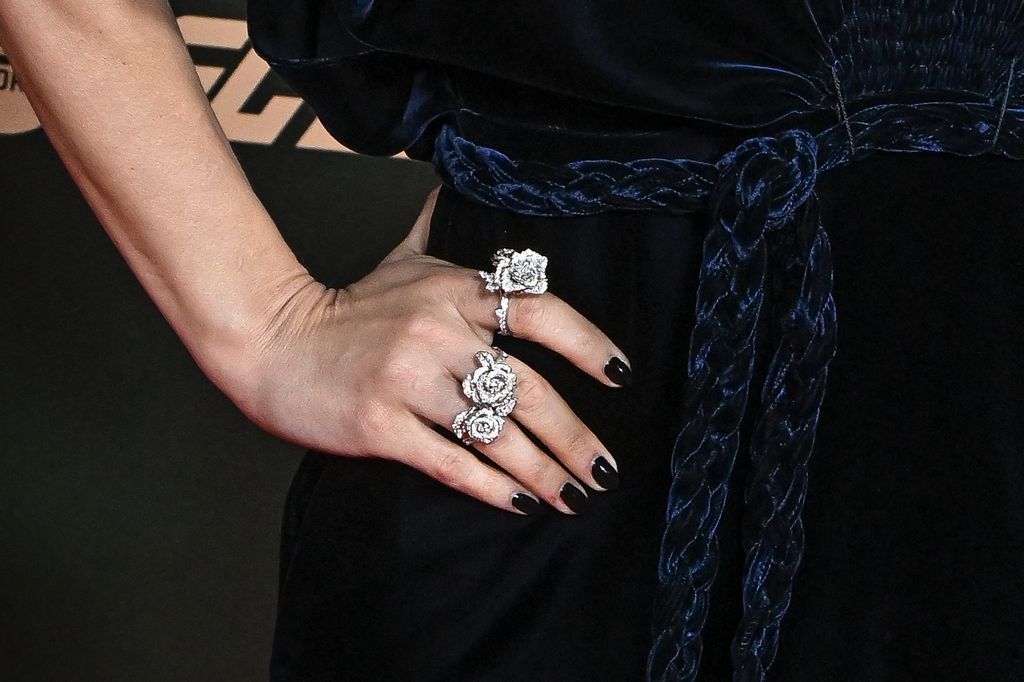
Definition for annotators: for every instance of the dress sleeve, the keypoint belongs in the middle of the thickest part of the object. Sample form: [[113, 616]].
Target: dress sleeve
[[373, 101], [382, 74]]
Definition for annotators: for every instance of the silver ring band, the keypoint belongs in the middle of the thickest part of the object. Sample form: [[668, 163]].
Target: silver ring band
[[502, 312]]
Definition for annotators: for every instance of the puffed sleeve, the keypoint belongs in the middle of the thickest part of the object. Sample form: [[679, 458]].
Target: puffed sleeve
[[372, 100]]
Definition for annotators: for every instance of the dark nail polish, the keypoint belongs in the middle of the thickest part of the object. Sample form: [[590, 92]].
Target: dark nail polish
[[604, 473], [526, 503], [619, 372], [574, 498]]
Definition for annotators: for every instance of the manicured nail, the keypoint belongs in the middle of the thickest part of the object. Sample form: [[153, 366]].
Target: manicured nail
[[604, 473], [526, 503], [619, 372], [573, 497]]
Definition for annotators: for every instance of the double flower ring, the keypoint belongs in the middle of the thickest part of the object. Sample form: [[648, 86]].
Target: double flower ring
[[492, 386]]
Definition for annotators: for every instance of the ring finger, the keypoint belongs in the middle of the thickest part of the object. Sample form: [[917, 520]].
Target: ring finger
[[544, 413]]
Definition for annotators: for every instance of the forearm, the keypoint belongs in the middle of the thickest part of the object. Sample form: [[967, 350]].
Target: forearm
[[118, 96]]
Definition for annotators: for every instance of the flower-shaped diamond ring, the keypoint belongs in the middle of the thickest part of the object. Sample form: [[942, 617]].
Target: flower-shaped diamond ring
[[492, 388], [515, 272]]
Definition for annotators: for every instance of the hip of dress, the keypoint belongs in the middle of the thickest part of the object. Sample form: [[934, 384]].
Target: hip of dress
[[914, 515]]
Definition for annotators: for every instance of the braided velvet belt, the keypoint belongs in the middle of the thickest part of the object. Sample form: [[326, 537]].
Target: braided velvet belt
[[764, 221]]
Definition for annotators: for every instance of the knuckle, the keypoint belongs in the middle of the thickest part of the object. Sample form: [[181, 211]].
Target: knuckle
[[490, 488], [448, 469], [373, 421], [442, 283], [461, 287], [579, 441], [422, 325], [528, 313], [531, 392], [397, 369], [538, 471], [541, 474]]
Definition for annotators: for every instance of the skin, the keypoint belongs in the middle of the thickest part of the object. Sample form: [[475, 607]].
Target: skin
[[360, 371]]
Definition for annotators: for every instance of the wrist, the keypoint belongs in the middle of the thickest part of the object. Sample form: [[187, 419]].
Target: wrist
[[233, 339]]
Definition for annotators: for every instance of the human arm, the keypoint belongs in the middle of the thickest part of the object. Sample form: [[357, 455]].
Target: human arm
[[117, 94], [359, 371]]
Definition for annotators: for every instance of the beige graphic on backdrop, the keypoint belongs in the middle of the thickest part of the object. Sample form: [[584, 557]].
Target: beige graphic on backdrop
[[16, 115]]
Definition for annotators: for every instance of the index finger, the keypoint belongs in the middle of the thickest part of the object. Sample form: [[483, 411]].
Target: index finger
[[549, 320]]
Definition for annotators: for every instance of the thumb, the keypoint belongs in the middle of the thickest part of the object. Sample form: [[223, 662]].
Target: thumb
[[415, 243]]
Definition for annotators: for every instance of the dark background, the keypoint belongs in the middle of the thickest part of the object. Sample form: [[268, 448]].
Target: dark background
[[139, 510]]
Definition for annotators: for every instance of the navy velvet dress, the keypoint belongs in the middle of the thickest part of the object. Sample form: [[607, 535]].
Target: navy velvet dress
[[738, 264]]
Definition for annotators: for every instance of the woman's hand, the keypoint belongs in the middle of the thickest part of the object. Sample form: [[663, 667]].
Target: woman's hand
[[361, 371], [365, 371]]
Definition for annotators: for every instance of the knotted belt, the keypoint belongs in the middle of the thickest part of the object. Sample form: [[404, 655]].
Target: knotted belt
[[764, 226]]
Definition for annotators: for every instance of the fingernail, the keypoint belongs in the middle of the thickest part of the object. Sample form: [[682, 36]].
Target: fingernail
[[604, 473], [526, 503], [619, 372], [573, 497]]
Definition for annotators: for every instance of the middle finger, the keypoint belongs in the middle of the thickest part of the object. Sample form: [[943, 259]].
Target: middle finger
[[540, 409]]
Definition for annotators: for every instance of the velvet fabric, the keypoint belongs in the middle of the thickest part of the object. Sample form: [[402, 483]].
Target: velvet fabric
[[383, 76], [620, 137], [765, 240]]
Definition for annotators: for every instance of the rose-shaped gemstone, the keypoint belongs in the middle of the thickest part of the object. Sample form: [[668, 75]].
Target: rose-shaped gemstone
[[479, 423], [492, 384], [517, 271], [524, 271]]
